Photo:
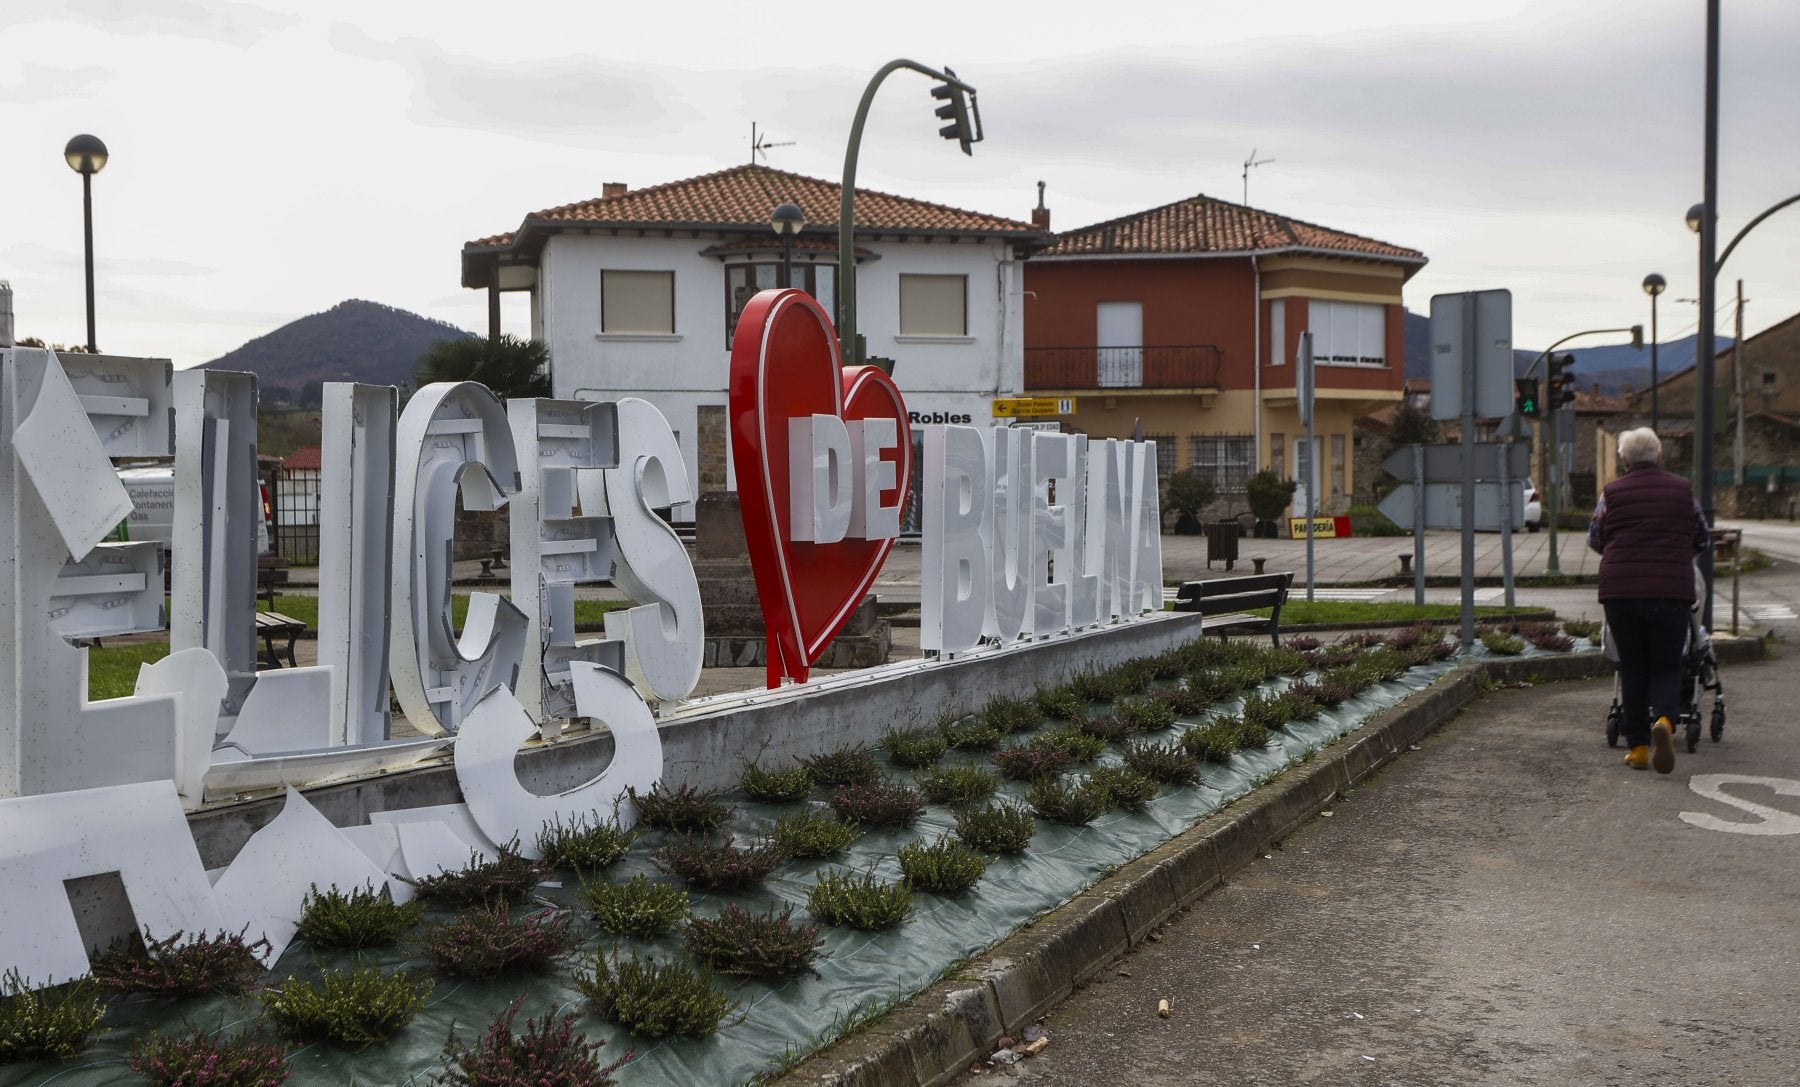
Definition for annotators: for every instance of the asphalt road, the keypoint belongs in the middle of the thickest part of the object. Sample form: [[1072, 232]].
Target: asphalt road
[[1506, 905]]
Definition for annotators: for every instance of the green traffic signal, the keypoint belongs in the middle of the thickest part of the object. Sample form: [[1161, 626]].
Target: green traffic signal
[[1528, 403]]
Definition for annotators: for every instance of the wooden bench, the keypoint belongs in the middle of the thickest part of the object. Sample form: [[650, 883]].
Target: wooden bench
[[271, 625], [1227, 596]]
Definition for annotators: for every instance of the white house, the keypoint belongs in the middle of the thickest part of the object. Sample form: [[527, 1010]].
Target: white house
[[637, 293]]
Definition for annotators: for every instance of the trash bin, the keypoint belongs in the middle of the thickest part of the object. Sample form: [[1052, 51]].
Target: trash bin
[[1222, 542]]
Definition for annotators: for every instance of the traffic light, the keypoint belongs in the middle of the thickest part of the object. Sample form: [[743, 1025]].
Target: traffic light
[[955, 109], [1528, 403], [1562, 381]]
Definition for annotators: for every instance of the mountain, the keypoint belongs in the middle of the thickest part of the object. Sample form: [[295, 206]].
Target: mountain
[[351, 341], [1615, 368]]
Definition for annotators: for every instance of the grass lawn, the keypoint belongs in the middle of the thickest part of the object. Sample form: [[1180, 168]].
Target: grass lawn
[[306, 609], [1298, 610]]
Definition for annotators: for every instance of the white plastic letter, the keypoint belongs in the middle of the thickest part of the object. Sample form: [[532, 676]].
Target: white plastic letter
[[870, 519], [821, 490], [954, 569], [1008, 532], [1051, 555]]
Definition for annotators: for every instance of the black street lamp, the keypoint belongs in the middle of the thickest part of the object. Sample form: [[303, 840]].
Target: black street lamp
[[1654, 285], [86, 155], [787, 220]]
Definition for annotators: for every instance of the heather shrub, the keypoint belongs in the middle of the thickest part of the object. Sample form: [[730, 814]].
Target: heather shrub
[[1031, 760], [945, 866], [1060, 702], [507, 880], [1504, 644], [775, 786], [878, 804], [637, 908], [1108, 727], [654, 1000], [356, 1007], [914, 747], [1078, 745], [552, 1052], [996, 827], [815, 834], [848, 765], [587, 845], [1213, 740], [1582, 628], [1008, 714], [224, 963], [1072, 803], [365, 917], [198, 1058], [1168, 763], [684, 809], [720, 865], [486, 942], [1147, 714], [859, 901], [1124, 787], [762, 945], [969, 734], [957, 785], [55, 1022]]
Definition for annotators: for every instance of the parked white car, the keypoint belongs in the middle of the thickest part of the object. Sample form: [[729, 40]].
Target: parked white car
[[1534, 507]]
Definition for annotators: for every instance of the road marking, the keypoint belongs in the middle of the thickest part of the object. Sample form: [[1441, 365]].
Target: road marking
[[1769, 612], [1773, 821]]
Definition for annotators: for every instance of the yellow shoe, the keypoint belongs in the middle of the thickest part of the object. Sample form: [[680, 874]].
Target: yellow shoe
[[1638, 758], [1662, 741]]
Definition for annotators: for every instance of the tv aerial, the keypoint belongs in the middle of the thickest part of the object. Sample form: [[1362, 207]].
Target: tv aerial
[[1248, 163], [760, 144]]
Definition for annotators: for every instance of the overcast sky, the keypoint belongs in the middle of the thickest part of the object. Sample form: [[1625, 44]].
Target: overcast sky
[[270, 160]]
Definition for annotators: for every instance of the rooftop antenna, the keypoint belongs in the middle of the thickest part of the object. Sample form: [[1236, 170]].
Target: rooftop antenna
[[1249, 162], [760, 144]]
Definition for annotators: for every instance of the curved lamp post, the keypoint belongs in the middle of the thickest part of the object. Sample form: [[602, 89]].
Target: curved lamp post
[[787, 220], [86, 155], [1654, 285]]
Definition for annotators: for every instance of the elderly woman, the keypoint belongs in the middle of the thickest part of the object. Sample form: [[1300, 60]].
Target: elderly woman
[[1647, 528]]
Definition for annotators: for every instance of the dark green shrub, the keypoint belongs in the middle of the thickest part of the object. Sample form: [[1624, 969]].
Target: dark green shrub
[[761, 945], [507, 880], [1031, 760], [1268, 494], [1213, 740], [55, 1022], [859, 901], [957, 785], [1503, 644], [1582, 628], [551, 1051], [355, 1007], [1007, 714], [945, 866], [1077, 744], [1168, 763], [1146, 714], [223, 963], [775, 786], [720, 865], [638, 907], [880, 804], [363, 918], [969, 734], [1074, 804], [198, 1056], [848, 765], [914, 747], [654, 1000], [586, 846], [1124, 787], [1093, 686], [813, 835], [1060, 702], [486, 942], [996, 827], [684, 809], [1251, 735]]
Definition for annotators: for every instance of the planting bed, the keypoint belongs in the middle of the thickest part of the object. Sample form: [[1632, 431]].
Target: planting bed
[[858, 972]]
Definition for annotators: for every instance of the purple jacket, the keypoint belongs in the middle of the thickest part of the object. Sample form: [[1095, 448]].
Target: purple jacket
[[1648, 528]]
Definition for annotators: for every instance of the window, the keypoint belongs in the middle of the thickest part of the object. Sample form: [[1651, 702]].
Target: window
[[637, 302], [1224, 459], [1165, 454], [742, 281], [1337, 469], [1278, 332], [1278, 452], [934, 305], [1347, 333]]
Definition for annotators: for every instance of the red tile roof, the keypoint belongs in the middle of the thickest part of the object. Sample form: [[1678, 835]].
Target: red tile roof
[[307, 457], [741, 198], [1201, 224]]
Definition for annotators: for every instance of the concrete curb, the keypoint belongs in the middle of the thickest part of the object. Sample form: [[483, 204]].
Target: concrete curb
[[932, 1038]]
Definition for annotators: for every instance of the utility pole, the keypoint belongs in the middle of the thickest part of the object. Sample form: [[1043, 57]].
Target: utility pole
[[1737, 387]]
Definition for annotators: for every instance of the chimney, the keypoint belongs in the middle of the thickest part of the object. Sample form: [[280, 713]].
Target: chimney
[[1040, 215], [613, 188]]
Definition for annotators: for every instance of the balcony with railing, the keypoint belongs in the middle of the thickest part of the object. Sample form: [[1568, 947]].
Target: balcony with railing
[[1192, 366]]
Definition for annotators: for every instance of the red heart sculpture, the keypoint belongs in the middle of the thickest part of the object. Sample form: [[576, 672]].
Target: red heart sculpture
[[785, 365]]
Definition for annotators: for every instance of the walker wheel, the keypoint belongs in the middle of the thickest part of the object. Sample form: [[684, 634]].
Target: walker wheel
[[1612, 726], [1693, 731], [1718, 721]]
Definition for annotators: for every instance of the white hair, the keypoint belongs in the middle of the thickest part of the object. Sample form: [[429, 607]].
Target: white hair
[[1640, 446]]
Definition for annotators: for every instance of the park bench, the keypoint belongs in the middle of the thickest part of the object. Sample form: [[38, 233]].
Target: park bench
[[271, 625], [1229, 598]]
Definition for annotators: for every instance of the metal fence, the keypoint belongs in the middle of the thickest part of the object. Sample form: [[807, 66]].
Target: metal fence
[[1176, 367]]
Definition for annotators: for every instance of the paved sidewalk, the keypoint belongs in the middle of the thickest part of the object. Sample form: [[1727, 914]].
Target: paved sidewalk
[[1505, 905]]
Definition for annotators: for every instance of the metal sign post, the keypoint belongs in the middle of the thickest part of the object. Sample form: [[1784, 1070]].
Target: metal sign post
[[1506, 555], [1471, 374], [1303, 376], [1418, 459]]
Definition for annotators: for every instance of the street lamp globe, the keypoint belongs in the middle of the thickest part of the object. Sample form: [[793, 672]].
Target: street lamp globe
[[1655, 284], [85, 154], [787, 220], [1695, 216]]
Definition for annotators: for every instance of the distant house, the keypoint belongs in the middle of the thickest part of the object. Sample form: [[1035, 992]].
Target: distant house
[[637, 293], [297, 503], [1184, 321], [1762, 384]]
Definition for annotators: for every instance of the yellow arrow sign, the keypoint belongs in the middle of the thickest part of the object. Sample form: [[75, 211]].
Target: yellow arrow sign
[[1019, 407]]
